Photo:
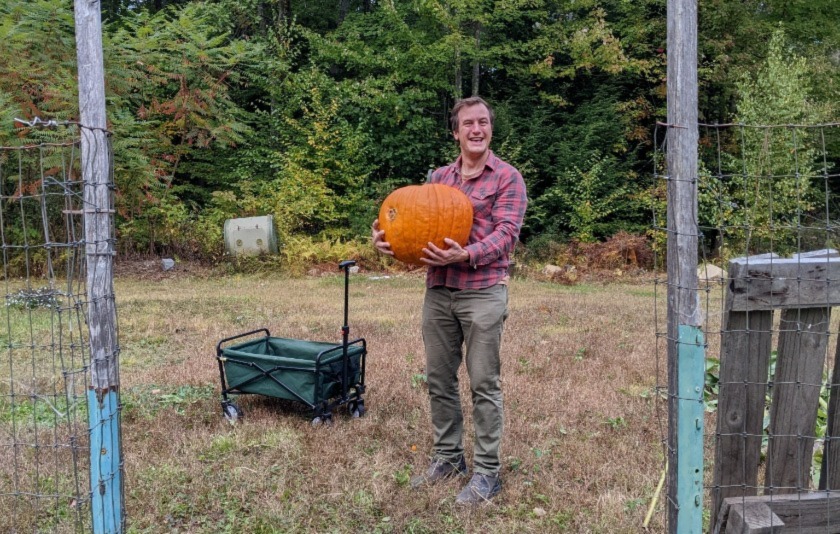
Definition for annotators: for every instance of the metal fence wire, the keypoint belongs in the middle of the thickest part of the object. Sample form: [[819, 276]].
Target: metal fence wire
[[45, 424], [768, 230]]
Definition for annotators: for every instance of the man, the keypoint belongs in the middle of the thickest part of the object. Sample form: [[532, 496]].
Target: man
[[466, 304]]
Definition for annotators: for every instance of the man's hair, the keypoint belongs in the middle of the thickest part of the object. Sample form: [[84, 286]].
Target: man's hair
[[464, 103]]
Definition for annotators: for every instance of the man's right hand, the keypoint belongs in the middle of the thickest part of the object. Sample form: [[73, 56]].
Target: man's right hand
[[378, 237]]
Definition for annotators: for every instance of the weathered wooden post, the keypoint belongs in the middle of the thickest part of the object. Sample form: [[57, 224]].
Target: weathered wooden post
[[103, 395], [686, 346]]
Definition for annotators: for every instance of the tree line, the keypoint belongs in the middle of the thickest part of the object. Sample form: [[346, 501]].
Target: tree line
[[313, 111]]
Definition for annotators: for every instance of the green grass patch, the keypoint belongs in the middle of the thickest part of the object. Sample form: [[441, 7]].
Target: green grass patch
[[147, 401], [41, 411]]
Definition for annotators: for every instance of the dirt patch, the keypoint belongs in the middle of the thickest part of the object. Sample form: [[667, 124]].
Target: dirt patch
[[153, 269]]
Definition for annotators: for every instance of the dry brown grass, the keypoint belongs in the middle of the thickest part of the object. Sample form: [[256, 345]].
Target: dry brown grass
[[581, 448]]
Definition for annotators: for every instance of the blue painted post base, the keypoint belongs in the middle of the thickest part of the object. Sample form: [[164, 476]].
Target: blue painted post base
[[105, 452], [691, 369]]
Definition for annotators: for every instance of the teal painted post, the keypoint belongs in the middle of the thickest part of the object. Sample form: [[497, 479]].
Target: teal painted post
[[105, 473], [692, 372]]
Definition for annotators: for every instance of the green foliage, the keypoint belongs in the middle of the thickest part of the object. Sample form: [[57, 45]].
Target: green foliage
[[322, 165], [314, 112], [390, 76], [774, 183], [418, 380], [300, 251], [37, 74], [733, 39], [403, 476], [177, 69], [586, 197]]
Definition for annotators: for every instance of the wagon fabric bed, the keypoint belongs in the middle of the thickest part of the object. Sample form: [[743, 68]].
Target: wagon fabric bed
[[319, 374]]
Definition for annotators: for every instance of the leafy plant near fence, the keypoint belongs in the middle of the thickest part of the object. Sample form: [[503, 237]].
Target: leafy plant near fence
[[44, 297]]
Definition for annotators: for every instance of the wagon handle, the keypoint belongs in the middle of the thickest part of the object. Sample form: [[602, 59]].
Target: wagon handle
[[346, 264], [345, 328], [225, 340]]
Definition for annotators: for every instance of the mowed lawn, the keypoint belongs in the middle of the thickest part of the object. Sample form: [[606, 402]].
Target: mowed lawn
[[582, 446]]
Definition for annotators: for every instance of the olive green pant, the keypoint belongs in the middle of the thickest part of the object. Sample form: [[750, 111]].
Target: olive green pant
[[472, 319]]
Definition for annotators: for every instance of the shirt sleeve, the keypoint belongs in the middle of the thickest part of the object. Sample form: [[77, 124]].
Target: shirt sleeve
[[508, 214]]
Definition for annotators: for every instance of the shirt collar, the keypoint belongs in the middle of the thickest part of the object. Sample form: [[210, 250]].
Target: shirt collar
[[492, 162]]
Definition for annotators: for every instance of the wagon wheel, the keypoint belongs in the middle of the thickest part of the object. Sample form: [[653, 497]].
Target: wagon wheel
[[231, 411], [356, 408], [323, 419]]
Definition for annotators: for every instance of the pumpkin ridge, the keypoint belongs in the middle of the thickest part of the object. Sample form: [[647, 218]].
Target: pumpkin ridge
[[439, 230]]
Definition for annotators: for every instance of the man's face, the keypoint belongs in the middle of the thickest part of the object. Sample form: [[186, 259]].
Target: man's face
[[474, 130]]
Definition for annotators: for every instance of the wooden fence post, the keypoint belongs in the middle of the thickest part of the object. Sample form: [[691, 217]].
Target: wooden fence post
[[103, 395], [686, 347]]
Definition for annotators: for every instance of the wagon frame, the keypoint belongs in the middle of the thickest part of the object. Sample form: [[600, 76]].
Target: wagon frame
[[321, 375]]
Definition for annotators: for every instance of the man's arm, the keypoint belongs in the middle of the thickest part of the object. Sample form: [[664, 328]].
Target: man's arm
[[508, 213]]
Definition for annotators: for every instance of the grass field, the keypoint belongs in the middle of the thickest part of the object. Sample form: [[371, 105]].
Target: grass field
[[581, 450], [582, 446]]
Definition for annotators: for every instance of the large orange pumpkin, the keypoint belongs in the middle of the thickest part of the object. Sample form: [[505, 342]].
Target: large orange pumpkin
[[414, 215]]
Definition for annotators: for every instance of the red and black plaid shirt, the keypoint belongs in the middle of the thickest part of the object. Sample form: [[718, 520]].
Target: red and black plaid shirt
[[499, 200]]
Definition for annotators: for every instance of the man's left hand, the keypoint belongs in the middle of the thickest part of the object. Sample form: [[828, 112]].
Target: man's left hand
[[439, 257]]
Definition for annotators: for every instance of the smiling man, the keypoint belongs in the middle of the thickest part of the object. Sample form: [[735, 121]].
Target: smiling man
[[465, 305]]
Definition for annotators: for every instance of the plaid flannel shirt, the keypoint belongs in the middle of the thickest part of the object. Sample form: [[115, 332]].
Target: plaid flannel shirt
[[499, 200]]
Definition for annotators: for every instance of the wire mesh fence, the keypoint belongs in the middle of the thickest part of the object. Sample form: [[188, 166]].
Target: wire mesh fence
[[45, 424], [768, 229]]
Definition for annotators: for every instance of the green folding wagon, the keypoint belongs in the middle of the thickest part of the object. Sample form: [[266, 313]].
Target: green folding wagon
[[321, 375]]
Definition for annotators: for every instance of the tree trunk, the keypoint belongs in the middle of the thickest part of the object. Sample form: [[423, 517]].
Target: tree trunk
[[476, 71], [458, 90], [284, 13], [343, 9]]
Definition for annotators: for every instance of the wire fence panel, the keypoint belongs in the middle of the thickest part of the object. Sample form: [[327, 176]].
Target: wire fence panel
[[769, 277], [45, 429]]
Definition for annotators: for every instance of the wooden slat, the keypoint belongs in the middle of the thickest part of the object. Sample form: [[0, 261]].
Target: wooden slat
[[801, 282], [744, 363], [803, 340], [753, 518], [807, 513], [822, 253], [830, 469]]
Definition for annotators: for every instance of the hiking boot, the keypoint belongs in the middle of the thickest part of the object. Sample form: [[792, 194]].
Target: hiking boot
[[439, 470], [480, 489]]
